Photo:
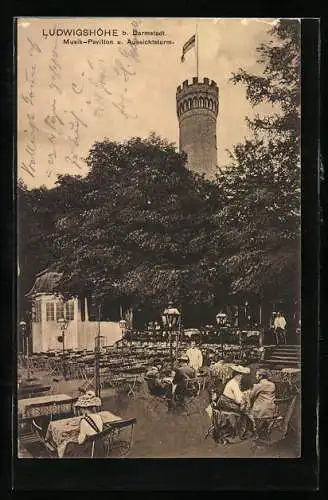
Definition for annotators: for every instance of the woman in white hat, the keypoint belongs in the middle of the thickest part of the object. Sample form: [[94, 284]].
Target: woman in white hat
[[231, 401], [87, 406], [232, 396]]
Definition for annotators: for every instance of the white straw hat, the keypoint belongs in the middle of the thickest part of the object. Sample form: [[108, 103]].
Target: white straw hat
[[88, 400], [240, 369]]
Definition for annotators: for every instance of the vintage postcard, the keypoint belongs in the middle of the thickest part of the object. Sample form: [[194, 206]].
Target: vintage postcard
[[159, 202]]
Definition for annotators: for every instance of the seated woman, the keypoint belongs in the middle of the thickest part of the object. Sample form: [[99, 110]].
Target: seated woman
[[232, 398], [234, 420], [88, 407], [262, 401]]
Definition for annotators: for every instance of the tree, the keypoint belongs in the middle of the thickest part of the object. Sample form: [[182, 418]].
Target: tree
[[34, 221], [261, 218], [136, 227]]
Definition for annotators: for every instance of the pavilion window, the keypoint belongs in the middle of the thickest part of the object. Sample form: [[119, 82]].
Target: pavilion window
[[59, 310], [50, 311], [69, 310], [37, 312], [82, 306]]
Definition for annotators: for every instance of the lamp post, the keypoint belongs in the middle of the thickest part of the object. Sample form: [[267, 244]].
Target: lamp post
[[171, 319], [246, 309], [63, 324], [23, 329], [123, 325], [97, 357], [221, 319]]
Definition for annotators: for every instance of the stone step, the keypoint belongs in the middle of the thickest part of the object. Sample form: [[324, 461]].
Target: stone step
[[289, 348], [284, 353], [284, 358], [283, 349], [280, 364]]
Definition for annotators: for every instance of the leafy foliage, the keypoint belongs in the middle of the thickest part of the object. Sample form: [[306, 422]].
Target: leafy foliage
[[141, 228], [262, 182]]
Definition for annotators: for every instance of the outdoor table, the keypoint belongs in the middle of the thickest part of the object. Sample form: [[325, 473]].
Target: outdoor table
[[44, 408], [62, 432], [31, 390]]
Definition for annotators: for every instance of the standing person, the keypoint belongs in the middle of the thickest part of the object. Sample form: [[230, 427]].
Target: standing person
[[195, 356], [280, 328]]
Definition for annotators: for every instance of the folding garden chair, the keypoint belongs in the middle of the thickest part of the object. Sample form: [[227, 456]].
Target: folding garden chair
[[110, 443], [265, 427], [189, 399]]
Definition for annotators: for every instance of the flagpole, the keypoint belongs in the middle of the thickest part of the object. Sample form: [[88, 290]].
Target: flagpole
[[197, 50]]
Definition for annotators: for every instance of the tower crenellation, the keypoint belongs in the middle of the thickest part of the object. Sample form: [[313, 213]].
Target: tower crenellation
[[197, 110]]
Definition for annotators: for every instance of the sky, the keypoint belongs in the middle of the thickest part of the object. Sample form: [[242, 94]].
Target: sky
[[73, 94]]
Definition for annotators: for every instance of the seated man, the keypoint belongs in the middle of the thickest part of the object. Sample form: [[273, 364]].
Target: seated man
[[262, 401], [183, 373]]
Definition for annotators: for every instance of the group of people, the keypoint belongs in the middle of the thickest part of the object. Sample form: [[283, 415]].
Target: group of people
[[172, 383], [251, 407], [254, 408]]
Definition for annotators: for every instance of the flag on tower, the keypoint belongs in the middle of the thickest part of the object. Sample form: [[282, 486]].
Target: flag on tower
[[187, 46]]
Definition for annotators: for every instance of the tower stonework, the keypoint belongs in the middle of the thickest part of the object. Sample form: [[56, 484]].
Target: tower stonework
[[197, 110]]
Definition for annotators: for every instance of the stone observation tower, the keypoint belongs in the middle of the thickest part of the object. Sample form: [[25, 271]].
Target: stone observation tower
[[197, 110]]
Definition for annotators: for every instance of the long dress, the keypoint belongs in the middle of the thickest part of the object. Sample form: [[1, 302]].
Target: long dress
[[228, 418]]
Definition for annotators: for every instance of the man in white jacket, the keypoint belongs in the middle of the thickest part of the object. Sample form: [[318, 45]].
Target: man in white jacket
[[195, 356], [280, 328]]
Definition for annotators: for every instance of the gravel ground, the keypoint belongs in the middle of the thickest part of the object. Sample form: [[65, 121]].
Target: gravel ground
[[159, 434]]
